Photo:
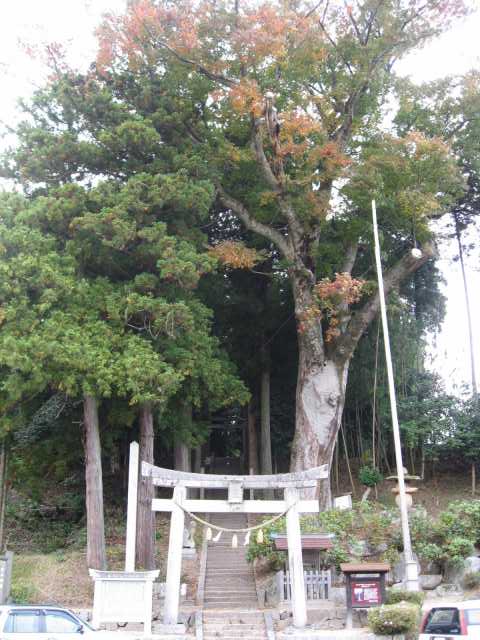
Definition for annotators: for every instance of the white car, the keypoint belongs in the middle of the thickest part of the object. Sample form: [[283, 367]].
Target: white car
[[449, 621], [38, 622]]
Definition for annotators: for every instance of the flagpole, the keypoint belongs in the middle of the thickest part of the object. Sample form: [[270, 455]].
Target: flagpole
[[411, 570]]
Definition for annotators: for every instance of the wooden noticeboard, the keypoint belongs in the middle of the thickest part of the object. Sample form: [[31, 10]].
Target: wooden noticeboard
[[365, 592], [365, 584]]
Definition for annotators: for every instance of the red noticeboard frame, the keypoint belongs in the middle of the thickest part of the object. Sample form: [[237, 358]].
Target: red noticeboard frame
[[366, 592]]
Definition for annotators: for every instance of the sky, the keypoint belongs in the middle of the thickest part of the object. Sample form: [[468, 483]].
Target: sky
[[73, 22]]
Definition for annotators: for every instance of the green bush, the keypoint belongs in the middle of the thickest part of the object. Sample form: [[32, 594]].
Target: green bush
[[458, 548], [21, 593], [390, 619], [471, 580], [394, 596], [462, 519], [369, 476], [446, 540]]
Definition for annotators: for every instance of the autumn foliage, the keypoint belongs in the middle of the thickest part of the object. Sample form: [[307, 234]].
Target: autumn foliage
[[235, 255], [333, 299]]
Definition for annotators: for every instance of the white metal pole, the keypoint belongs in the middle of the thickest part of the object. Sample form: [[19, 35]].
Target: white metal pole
[[411, 571]]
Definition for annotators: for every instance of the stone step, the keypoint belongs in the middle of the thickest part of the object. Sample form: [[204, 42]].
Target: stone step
[[231, 589], [226, 603], [230, 596], [233, 571], [225, 578], [226, 585], [233, 627], [211, 628], [227, 635], [239, 617], [226, 563]]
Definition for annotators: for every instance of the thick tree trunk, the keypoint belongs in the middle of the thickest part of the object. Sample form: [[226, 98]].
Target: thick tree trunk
[[182, 453], [265, 436], [145, 551], [320, 396], [252, 438], [182, 457], [3, 491], [319, 406], [96, 556]]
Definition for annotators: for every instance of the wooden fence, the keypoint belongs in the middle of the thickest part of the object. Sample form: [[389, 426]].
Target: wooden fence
[[317, 584]]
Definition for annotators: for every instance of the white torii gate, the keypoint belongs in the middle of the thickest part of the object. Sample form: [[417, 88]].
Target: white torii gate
[[292, 505]]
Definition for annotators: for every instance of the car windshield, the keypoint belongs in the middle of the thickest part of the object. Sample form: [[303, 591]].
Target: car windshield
[[444, 620]]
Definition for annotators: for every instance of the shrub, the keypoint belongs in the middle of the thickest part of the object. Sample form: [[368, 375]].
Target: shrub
[[22, 593], [429, 551], [456, 549], [462, 519], [369, 476], [336, 555], [390, 619], [471, 580], [394, 596]]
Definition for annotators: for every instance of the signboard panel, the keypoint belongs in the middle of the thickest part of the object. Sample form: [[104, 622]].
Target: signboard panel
[[366, 593]]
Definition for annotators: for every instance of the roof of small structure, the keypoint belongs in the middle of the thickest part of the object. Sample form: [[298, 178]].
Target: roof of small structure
[[318, 541], [365, 567]]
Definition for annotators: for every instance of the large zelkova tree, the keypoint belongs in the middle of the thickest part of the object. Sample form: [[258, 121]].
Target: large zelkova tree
[[281, 106]]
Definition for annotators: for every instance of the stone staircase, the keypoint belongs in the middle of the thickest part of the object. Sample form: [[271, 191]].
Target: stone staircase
[[229, 580], [233, 625]]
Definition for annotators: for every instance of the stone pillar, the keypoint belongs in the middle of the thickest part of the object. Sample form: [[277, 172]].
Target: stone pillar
[[295, 560], [132, 508], [174, 563]]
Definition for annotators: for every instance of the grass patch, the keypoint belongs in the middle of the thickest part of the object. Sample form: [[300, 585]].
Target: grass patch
[[54, 578], [23, 591]]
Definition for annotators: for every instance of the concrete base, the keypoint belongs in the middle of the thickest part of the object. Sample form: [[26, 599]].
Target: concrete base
[[316, 634], [169, 629], [346, 634]]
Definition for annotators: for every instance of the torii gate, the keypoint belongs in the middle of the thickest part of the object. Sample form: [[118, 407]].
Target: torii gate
[[179, 504]]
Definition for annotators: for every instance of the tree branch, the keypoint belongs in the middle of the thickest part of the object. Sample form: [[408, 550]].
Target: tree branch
[[295, 227], [354, 22], [391, 281], [257, 145], [217, 77], [350, 257], [254, 225]]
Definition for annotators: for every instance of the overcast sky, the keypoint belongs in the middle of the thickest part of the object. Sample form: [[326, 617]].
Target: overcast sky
[[73, 22]]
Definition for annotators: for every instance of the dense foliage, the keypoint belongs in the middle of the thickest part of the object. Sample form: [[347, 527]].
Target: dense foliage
[[371, 531], [391, 619]]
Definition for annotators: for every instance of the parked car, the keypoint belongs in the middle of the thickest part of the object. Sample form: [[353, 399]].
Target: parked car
[[42, 622], [448, 621]]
